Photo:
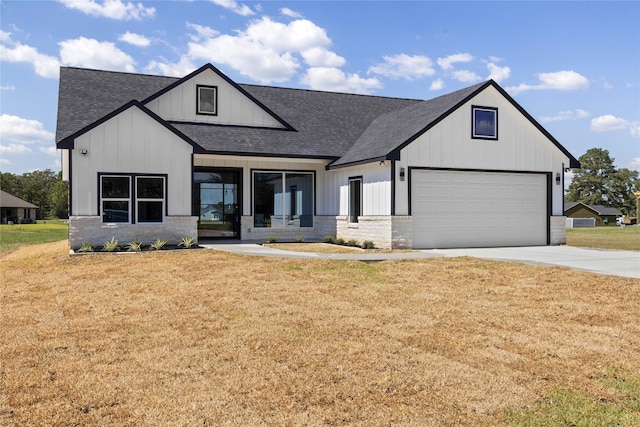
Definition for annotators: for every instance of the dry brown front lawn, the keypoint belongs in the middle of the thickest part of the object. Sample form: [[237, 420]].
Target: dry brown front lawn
[[208, 338]]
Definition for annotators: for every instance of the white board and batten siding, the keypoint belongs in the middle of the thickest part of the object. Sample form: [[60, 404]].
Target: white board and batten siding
[[130, 142], [464, 192], [233, 107], [376, 187], [520, 147]]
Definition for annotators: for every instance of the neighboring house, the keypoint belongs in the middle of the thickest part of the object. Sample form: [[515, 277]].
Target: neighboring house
[[141, 154], [14, 209], [603, 215]]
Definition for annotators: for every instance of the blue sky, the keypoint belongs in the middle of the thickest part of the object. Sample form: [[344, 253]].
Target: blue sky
[[574, 66]]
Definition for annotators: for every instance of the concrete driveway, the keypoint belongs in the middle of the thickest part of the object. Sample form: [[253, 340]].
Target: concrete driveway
[[616, 263]]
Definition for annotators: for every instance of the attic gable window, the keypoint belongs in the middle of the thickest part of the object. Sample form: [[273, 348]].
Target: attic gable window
[[484, 122], [207, 102]]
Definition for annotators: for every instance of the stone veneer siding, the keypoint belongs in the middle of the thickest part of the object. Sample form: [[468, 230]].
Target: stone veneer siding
[[558, 230], [394, 232], [91, 229], [322, 226]]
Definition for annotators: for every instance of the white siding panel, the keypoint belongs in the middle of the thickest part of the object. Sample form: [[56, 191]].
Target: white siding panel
[[520, 147], [478, 209], [234, 108], [130, 142]]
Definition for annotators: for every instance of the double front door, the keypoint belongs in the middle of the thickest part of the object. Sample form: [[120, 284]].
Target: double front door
[[216, 202]]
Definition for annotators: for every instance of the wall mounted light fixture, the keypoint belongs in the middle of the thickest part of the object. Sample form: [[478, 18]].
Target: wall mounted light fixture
[[401, 174], [558, 180]]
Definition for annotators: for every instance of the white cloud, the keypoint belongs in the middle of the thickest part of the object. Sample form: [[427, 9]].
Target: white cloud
[[15, 149], [437, 84], [232, 5], [609, 122], [497, 73], [135, 39], [290, 13], [635, 164], [320, 57], [44, 65], [251, 59], [202, 31], [113, 9], [560, 80], [447, 62], [566, 115], [20, 133], [178, 69], [297, 35], [465, 76], [266, 51], [5, 36], [7, 88], [336, 80], [91, 53], [50, 150], [404, 66]]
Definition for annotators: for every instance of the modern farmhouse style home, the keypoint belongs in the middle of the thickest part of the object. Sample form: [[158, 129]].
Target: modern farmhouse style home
[[201, 156]]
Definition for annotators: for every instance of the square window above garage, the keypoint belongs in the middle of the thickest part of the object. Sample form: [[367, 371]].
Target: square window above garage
[[484, 122], [207, 100]]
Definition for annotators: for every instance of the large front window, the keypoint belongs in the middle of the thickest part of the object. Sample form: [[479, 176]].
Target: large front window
[[283, 199], [132, 199]]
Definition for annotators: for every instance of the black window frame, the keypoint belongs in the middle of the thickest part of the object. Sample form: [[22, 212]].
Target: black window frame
[[486, 136], [306, 220], [352, 217], [133, 199], [215, 100]]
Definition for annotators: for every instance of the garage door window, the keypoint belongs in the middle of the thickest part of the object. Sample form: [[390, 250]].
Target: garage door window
[[484, 122], [355, 199]]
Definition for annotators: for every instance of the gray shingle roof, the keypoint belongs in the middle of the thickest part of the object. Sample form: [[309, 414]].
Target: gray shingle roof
[[343, 127], [391, 131], [10, 201], [599, 209]]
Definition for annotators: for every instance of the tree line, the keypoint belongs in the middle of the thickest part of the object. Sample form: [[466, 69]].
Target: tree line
[[44, 189], [599, 182]]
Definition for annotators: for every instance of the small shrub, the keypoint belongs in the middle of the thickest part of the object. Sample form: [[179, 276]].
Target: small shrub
[[368, 244], [158, 244], [298, 240], [329, 239], [340, 241], [135, 246], [187, 242], [352, 243], [272, 239], [111, 245], [86, 247]]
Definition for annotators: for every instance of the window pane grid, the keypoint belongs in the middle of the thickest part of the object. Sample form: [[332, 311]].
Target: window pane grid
[[122, 203]]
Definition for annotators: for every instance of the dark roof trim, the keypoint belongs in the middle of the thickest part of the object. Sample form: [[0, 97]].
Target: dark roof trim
[[271, 155], [69, 141], [360, 162], [395, 154], [223, 125], [228, 80], [573, 162]]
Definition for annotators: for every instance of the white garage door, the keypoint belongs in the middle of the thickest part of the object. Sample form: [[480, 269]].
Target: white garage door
[[458, 209]]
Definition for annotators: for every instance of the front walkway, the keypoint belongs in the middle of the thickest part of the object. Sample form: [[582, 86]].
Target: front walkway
[[610, 262]]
